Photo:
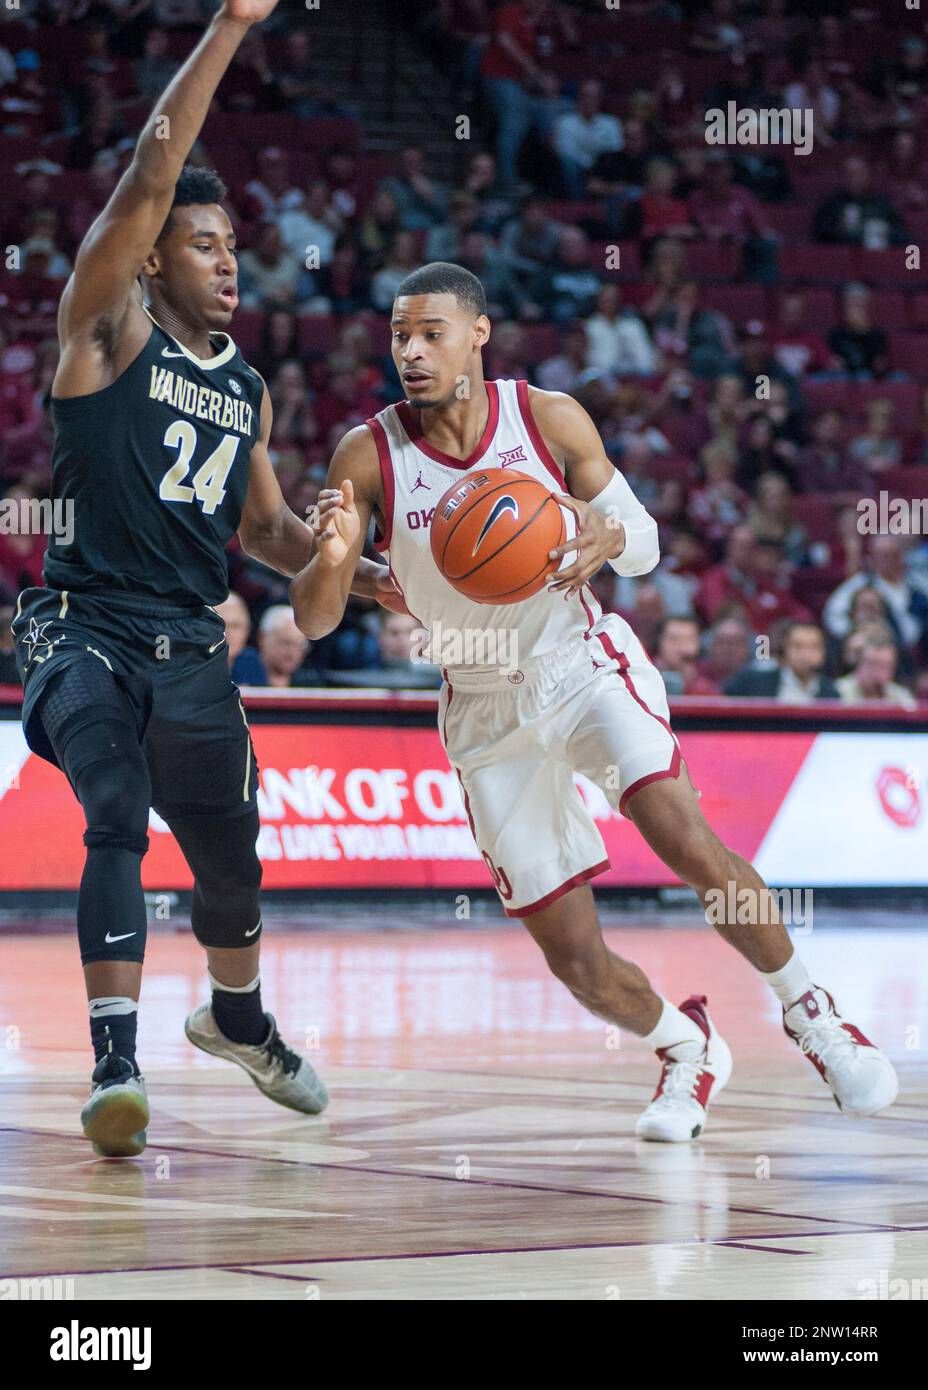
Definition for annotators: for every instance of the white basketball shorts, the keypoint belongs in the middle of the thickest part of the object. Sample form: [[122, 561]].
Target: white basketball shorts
[[597, 706]]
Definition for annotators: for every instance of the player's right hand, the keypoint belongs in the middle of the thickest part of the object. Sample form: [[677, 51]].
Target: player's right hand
[[338, 524]]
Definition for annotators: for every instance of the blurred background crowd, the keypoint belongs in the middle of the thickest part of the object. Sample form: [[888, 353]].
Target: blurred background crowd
[[746, 325]]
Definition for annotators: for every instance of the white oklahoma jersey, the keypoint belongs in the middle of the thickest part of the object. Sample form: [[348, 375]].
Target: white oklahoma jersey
[[532, 691]]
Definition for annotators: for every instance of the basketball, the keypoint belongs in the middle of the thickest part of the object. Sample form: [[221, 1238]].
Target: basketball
[[491, 535]]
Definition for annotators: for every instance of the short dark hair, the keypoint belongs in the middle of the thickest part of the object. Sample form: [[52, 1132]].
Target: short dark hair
[[665, 622], [441, 277], [194, 185], [794, 626]]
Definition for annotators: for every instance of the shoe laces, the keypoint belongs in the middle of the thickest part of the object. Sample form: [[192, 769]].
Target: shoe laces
[[680, 1079], [830, 1041], [278, 1052]]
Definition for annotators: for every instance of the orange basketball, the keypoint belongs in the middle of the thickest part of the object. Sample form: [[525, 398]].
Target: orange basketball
[[491, 534]]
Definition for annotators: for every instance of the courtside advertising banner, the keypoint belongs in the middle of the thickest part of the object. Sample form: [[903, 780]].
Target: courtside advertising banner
[[369, 807]]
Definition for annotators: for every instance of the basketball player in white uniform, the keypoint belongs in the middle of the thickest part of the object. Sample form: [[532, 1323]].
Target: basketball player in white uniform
[[580, 695]]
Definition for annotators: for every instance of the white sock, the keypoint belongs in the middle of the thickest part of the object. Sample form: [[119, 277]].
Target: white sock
[[789, 983], [111, 1005], [232, 989], [675, 1030]]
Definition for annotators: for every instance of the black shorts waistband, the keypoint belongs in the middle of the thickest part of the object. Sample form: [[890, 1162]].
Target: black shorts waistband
[[149, 605]]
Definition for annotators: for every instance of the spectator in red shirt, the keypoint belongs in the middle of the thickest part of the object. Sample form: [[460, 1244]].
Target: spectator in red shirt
[[824, 465], [731, 579], [728, 650], [681, 418], [718, 504], [772, 600], [344, 401], [724, 212], [663, 214], [520, 90], [795, 346]]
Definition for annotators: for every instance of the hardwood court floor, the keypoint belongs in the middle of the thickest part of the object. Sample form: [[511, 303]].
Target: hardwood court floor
[[480, 1140]]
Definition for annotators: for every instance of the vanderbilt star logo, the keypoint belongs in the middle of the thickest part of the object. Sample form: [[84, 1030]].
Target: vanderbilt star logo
[[35, 638]]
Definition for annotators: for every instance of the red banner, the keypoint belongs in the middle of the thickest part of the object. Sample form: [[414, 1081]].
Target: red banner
[[364, 806]]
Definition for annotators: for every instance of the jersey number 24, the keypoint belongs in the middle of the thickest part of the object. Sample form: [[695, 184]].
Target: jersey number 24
[[208, 485]]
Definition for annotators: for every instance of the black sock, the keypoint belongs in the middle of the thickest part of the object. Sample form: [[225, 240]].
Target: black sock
[[113, 1021], [238, 1011]]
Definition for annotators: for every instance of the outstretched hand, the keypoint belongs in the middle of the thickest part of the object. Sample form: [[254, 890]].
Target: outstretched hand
[[338, 525]]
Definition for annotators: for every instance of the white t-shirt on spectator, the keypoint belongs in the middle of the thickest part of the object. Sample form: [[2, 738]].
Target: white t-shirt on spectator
[[620, 345], [584, 141]]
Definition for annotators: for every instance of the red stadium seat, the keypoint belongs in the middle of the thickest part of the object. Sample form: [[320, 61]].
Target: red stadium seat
[[910, 354], [246, 330], [903, 394], [889, 309], [562, 211], [541, 341], [820, 307], [637, 294], [816, 511], [712, 260], [812, 185], [881, 267], [790, 220], [317, 333], [664, 467], [813, 586], [827, 395], [817, 264], [737, 302], [905, 482]]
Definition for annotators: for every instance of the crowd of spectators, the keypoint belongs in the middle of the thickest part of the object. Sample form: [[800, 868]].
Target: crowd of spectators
[[751, 397]]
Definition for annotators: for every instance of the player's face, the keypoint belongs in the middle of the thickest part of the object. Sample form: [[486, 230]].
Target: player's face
[[436, 347], [197, 266]]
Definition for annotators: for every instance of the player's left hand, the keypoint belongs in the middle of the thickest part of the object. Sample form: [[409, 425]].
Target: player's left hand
[[247, 11], [596, 540]]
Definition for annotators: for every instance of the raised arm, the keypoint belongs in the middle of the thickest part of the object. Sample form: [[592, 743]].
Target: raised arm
[[102, 286], [319, 593]]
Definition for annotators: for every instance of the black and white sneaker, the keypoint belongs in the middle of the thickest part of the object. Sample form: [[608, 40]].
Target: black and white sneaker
[[115, 1117], [282, 1074]]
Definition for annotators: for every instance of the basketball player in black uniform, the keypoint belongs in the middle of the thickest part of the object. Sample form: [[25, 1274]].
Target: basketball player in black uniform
[[161, 433]]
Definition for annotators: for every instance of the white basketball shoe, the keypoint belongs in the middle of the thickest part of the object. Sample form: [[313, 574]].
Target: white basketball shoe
[[692, 1075], [282, 1074], [862, 1079]]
